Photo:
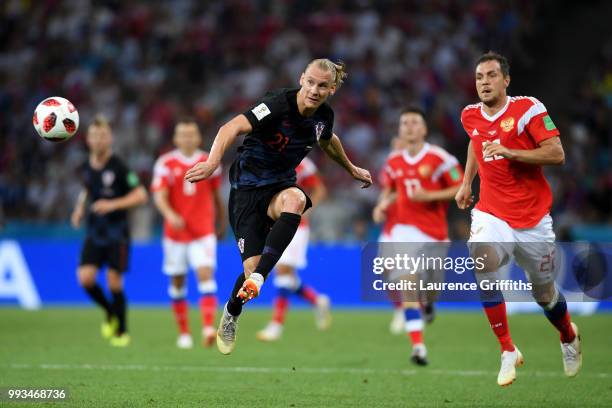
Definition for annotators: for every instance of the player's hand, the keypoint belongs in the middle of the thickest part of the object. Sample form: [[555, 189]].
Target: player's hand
[[420, 195], [175, 221], [495, 149], [103, 206], [75, 218], [379, 214], [362, 175], [464, 197], [200, 171]]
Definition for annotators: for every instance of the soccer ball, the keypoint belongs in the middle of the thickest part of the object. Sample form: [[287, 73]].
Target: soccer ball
[[56, 119]]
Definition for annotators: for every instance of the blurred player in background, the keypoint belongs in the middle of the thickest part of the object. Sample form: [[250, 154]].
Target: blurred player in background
[[189, 212], [109, 190], [510, 139], [390, 219], [286, 279], [422, 178], [266, 205]]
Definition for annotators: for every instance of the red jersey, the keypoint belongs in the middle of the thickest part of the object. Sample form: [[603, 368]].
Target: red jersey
[[192, 201], [307, 178], [391, 213], [431, 169], [516, 192]]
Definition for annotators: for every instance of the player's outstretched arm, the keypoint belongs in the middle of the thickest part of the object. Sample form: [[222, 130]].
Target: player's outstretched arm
[[549, 152], [333, 148], [134, 198], [225, 138], [464, 197]]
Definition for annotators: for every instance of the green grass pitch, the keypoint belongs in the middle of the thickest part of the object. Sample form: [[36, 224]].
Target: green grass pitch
[[356, 363]]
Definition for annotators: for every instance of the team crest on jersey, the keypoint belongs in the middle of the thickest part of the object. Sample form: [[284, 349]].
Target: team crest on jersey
[[424, 170], [241, 245], [107, 178], [507, 124], [319, 127]]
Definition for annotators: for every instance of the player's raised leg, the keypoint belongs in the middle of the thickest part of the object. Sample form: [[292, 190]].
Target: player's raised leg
[[555, 309], [286, 208], [87, 279]]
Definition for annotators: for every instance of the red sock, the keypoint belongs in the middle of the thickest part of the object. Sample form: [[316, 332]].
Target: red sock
[[181, 314], [208, 308], [416, 337], [499, 323], [281, 304], [309, 294], [565, 328]]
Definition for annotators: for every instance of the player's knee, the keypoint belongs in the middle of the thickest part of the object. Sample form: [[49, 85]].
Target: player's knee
[[294, 201], [544, 295], [205, 273], [115, 281], [87, 278], [86, 281], [486, 260], [284, 270], [177, 281]]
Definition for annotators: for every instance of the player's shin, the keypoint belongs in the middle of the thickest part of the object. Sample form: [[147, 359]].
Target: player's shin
[[495, 308], [278, 239], [234, 304], [97, 295], [556, 312], [180, 307], [414, 325], [120, 310], [208, 301]]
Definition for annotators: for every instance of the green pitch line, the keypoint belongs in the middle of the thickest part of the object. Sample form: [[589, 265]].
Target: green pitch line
[[356, 363]]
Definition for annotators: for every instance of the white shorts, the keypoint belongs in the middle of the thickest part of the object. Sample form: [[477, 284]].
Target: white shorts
[[413, 242], [533, 248], [179, 256], [295, 254]]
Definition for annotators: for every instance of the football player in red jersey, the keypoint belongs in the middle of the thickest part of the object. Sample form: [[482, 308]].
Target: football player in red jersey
[[286, 279], [189, 211], [422, 178], [511, 138]]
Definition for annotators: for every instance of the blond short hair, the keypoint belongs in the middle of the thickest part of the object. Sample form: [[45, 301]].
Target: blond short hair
[[338, 69], [100, 121]]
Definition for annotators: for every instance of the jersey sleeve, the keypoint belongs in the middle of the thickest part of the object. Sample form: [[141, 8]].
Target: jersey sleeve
[[383, 178], [388, 175], [130, 178], [450, 171], [265, 111], [537, 122], [161, 173], [454, 176]]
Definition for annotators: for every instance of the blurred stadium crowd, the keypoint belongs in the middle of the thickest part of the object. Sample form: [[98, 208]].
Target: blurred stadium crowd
[[144, 63]]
